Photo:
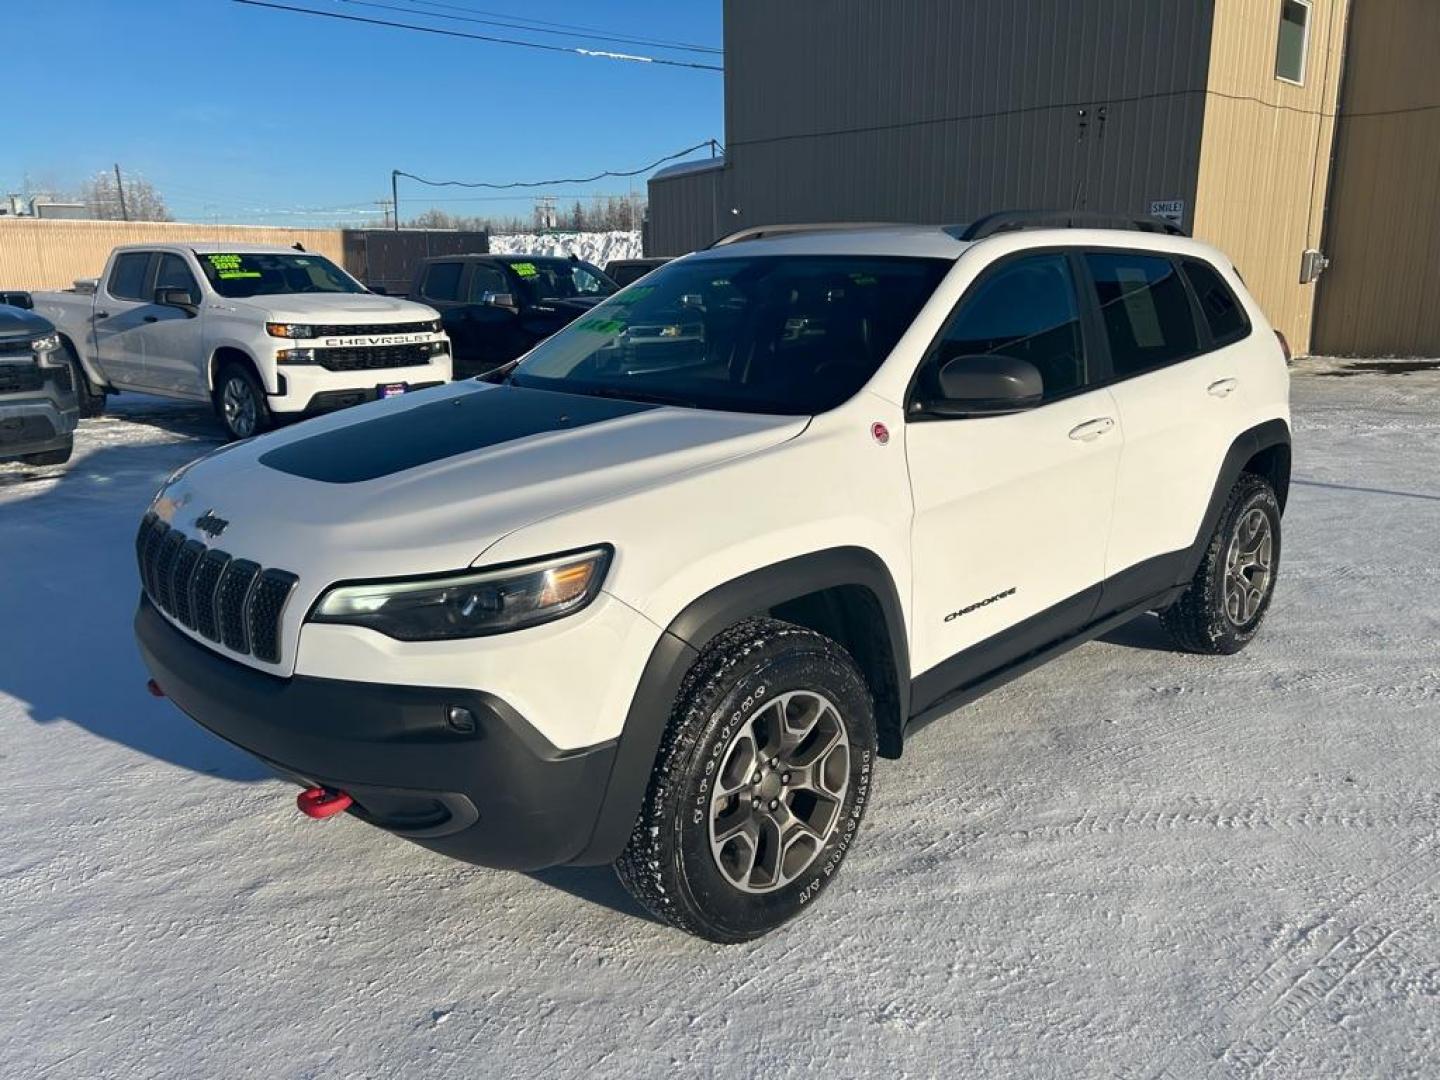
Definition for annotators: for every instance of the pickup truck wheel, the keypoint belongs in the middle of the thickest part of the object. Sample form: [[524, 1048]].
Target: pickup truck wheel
[[90, 400], [759, 787], [1221, 611], [51, 457], [240, 402]]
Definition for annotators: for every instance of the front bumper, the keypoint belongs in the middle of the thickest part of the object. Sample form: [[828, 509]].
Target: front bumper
[[499, 796], [305, 388], [35, 425]]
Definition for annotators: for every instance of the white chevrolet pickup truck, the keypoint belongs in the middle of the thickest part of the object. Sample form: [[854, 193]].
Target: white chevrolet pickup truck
[[260, 332]]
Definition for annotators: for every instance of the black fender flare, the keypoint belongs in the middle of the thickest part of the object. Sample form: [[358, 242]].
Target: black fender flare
[[1246, 445], [690, 631]]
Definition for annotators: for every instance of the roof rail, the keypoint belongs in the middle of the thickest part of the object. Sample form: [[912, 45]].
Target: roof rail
[[1016, 220], [762, 232]]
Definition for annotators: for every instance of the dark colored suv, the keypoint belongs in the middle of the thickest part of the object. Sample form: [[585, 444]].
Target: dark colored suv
[[496, 307], [38, 410]]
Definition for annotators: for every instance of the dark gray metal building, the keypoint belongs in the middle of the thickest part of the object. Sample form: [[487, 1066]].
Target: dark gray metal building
[[943, 110]]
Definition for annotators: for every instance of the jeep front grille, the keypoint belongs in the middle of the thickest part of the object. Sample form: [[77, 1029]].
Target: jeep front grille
[[234, 602]]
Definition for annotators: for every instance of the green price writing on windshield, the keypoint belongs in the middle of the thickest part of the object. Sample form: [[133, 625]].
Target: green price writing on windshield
[[228, 267], [526, 270]]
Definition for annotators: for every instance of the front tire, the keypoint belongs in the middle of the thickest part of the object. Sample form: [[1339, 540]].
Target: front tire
[[759, 786], [1222, 609], [240, 402], [90, 399]]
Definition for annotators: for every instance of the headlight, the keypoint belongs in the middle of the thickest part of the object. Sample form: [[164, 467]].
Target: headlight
[[289, 330], [47, 344], [476, 603], [433, 326]]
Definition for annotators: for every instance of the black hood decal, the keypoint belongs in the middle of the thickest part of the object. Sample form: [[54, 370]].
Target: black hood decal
[[395, 441]]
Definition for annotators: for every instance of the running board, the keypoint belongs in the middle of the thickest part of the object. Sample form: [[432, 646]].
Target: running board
[[963, 695]]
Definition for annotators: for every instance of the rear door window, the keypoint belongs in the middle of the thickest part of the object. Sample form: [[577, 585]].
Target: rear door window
[[1149, 322], [442, 281], [127, 276], [1227, 318], [1026, 309]]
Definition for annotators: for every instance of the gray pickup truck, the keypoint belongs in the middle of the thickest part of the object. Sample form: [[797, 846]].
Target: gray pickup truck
[[38, 409]]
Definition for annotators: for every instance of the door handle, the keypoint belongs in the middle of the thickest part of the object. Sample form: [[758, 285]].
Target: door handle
[[151, 318], [102, 314], [1092, 429], [1222, 387]]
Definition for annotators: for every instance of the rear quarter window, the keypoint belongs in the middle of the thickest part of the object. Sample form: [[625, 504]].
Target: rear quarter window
[[1148, 319], [1223, 311]]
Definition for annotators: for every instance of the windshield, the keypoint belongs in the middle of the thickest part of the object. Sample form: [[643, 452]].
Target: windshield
[[561, 279], [242, 274], [768, 334]]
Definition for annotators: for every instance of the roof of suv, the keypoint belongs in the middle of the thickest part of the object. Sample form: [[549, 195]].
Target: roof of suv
[[945, 241]]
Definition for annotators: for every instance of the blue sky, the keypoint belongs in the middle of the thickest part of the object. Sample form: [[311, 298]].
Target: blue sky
[[245, 114]]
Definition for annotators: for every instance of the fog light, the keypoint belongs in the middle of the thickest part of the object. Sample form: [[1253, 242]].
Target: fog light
[[461, 719]]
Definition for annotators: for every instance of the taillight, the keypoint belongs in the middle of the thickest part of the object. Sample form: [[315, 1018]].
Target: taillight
[[1284, 345]]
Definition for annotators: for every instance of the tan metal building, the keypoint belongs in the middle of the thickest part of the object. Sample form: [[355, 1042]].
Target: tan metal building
[[1221, 114]]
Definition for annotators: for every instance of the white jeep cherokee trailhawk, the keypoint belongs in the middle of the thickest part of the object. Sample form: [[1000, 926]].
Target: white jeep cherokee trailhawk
[[663, 595]]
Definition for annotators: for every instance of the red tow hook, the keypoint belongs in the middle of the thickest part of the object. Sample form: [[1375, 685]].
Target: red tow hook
[[154, 688], [319, 802]]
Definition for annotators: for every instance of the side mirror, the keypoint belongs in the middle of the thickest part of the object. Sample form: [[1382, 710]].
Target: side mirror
[[987, 385], [178, 298], [18, 299], [500, 299]]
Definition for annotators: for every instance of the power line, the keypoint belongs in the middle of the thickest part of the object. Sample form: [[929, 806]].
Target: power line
[[1158, 95], [593, 36], [711, 143], [567, 50], [558, 25]]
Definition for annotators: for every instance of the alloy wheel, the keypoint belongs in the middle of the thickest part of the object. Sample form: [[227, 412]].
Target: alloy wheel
[[237, 401], [776, 798], [1249, 566]]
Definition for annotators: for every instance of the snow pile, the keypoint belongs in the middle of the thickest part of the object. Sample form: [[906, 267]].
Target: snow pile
[[594, 247]]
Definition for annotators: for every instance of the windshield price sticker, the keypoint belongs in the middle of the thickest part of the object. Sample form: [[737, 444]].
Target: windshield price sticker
[[228, 267], [525, 270]]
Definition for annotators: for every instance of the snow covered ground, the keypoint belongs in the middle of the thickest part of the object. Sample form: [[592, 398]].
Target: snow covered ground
[[1130, 863], [593, 247]]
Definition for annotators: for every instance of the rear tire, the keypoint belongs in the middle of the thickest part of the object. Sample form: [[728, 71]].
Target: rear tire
[[240, 402], [51, 457], [1222, 609], [759, 786]]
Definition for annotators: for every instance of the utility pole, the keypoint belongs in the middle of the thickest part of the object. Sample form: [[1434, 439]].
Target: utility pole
[[395, 196], [120, 188], [384, 205]]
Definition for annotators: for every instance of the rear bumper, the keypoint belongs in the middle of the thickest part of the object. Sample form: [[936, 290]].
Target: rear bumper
[[35, 425], [499, 795]]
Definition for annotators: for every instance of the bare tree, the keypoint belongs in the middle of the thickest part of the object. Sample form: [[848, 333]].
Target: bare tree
[[142, 202]]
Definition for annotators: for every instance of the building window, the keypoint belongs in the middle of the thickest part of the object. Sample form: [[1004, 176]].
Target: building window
[[1294, 41]]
